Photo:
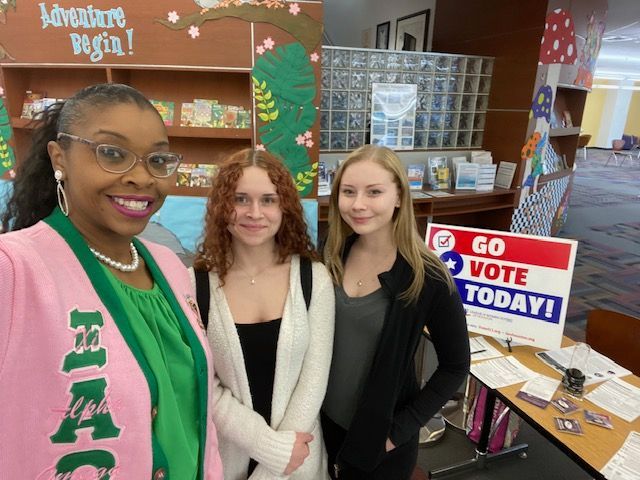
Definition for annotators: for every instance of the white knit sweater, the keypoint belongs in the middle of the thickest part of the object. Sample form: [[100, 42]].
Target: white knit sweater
[[303, 360]]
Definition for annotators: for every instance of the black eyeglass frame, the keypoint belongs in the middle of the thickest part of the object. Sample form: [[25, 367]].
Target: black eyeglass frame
[[144, 159]]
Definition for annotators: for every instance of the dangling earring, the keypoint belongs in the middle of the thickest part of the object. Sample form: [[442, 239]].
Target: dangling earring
[[62, 196]]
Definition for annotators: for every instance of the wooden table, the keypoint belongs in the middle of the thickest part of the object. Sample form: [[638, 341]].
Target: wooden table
[[590, 451]]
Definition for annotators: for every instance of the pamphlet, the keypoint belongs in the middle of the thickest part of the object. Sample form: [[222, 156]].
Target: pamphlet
[[455, 161], [481, 349], [568, 425], [439, 177], [564, 405], [539, 391], [481, 157], [467, 176], [486, 177], [624, 464], [505, 174], [501, 372], [324, 187], [415, 172], [618, 397], [599, 419]]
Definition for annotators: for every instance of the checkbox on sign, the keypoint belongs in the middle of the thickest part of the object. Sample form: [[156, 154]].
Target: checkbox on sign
[[443, 241]]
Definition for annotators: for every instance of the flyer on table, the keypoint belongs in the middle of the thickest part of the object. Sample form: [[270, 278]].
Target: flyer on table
[[512, 286]]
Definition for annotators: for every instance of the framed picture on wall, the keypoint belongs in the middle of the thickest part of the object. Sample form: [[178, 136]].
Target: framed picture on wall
[[412, 32], [382, 35]]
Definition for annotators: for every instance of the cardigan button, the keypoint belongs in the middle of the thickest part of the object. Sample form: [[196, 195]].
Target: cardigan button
[[159, 474], [154, 413]]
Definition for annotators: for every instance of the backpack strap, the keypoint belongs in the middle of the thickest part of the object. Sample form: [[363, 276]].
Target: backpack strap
[[306, 279], [202, 295]]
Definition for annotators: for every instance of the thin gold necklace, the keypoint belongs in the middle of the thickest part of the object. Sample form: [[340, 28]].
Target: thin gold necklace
[[376, 265], [252, 279]]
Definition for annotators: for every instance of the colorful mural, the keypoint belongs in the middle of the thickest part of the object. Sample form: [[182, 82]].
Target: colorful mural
[[589, 52], [7, 160], [282, 14], [284, 81], [559, 41]]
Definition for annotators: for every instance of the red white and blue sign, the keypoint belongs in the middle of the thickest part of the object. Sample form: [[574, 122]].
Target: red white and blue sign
[[513, 286]]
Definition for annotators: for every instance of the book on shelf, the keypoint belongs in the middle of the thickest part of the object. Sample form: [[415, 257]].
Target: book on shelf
[[183, 178], [186, 114], [203, 112], [505, 174], [34, 104], [28, 105], [566, 119], [467, 176], [209, 113], [415, 172], [439, 174], [165, 109], [486, 177]]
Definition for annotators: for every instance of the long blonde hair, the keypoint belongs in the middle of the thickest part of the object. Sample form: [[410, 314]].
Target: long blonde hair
[[405, 230]]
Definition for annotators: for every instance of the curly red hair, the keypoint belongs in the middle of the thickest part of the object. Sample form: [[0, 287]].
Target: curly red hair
[[214, 252]]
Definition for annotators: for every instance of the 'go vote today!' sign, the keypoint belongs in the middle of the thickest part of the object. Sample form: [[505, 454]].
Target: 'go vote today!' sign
[[512, 286]]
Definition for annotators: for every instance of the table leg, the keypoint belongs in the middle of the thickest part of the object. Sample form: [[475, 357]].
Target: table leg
[[482, 456]]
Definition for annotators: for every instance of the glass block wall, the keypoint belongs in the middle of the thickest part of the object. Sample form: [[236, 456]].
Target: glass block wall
[[453, 94]]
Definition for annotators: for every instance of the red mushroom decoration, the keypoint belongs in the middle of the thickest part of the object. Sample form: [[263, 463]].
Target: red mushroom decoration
[[559, 40]]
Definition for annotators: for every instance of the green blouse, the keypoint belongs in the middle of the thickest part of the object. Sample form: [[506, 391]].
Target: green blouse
[[167, 351]]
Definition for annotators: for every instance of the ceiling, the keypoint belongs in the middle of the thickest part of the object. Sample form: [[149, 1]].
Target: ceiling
[[620, 52]]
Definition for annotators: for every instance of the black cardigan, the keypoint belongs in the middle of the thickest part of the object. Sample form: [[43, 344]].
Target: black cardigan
[[392, 405]]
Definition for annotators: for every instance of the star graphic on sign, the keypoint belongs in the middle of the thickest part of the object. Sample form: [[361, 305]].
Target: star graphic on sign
[[451, 264]]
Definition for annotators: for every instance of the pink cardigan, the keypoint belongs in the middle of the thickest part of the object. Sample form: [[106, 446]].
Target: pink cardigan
[[73, 395]]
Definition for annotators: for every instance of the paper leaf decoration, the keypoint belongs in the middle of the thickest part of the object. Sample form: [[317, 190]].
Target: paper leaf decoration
[[284, 82]]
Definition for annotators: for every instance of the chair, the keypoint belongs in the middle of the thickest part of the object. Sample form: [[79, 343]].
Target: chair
[[617, 150], [615, 335], [583, 140]]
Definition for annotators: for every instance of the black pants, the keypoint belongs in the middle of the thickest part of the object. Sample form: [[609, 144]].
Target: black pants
[[398, 464]]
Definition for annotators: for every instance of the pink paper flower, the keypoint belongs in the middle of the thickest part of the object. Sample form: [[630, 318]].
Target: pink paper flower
[[260, 50], [309, 143], [268, 43], [294, 9], [173, 16], [300, 139], [308, 135], [1, 92], [260, 147], [314, 57], [194, 31]]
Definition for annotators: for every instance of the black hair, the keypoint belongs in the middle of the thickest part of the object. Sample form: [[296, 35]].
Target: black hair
[[34, 188]]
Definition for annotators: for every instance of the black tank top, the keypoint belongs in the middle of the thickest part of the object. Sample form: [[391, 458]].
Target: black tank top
[[259, 343]]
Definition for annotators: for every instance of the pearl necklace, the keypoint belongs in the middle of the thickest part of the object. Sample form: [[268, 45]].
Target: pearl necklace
[[135, 263]]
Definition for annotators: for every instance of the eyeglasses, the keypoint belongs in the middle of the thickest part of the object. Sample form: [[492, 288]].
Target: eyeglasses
[[115, 159]]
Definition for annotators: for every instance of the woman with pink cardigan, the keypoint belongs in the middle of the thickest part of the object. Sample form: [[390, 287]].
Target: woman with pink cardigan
[[105, 370]]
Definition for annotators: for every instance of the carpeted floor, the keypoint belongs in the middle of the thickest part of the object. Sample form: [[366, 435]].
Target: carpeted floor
[[604, 216]]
